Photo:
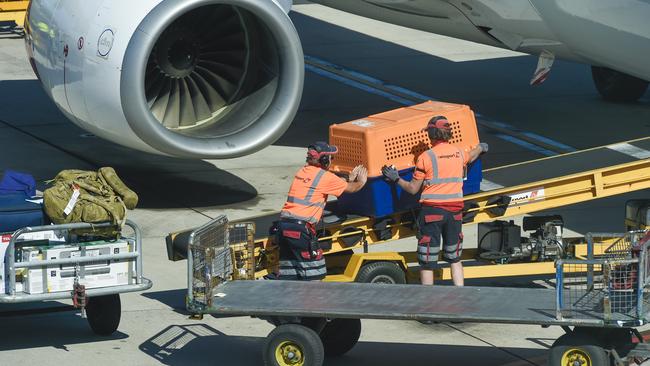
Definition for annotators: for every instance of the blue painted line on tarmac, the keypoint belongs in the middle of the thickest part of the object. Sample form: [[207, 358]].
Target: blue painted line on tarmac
[[549, 141], [358, 85], [532, 135], [526, 144], [422, 97]]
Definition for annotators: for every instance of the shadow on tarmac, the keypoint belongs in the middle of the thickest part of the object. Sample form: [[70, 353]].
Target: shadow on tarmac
[[200, 344], [54, 330], [42, 142], [175, 299]]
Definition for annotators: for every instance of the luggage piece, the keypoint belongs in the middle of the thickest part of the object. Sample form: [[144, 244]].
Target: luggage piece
[[380, 198], [397, 138], [16, 213], [129, 197], [90, 197], [16, 182]]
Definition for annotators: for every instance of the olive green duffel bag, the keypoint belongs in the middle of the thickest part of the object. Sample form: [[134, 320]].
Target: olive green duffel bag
[[90, 197]]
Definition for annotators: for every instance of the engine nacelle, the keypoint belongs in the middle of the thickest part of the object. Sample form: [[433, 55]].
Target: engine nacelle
[[192, 78]]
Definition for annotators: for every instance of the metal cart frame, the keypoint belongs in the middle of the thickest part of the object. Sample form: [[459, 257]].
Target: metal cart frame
[[103, 303], [314, 319]]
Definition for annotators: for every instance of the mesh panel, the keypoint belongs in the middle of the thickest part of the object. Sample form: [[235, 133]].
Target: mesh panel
[[605, 291], [220, 252], [413, 143], [241, 238], [609, 288], [350, 151], [457, 133], [396, 137]]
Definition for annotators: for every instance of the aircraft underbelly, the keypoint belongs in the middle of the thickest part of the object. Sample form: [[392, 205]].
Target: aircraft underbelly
[[578, 30], [614, 34], [438, 17]]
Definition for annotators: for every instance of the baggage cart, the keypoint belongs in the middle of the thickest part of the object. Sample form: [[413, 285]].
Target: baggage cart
[[598, 302], [101, 305]]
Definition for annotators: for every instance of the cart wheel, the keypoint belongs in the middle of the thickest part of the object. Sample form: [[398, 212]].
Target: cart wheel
[[340, 335], [577, 350], [104, 313], [381, 272], [293, 345]]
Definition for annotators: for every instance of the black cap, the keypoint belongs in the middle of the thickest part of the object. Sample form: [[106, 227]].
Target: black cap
[[320, 148]]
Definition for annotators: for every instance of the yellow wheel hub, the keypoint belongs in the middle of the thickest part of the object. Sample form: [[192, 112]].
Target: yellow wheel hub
[[576, 357], [289, 354]]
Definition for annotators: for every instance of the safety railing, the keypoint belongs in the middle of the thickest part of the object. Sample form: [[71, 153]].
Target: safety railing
[[136, 282], [612, 287], [218, 252]]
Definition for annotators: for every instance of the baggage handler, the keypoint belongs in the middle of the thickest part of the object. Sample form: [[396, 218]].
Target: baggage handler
[[300, 255], [439, 176]]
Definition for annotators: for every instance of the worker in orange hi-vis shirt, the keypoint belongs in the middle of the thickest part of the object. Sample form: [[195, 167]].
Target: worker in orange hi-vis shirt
[[439, 176], [300, 255]]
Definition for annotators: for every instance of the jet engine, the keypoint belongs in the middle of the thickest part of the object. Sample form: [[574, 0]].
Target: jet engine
[[192, 78]]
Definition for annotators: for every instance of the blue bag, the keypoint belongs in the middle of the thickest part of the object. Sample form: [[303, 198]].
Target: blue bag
[[16, 182], [16, 213]]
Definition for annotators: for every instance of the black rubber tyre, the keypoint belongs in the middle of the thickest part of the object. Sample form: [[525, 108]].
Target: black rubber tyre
[[616, 86], [571, 348], [104, 314], [340, 335], [293, 344], [381, 272]]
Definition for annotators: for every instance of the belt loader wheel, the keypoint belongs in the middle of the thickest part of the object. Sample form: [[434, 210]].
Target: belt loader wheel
[[381, 272], [104, 313], [293, 345], [340, 335], [577, 350]]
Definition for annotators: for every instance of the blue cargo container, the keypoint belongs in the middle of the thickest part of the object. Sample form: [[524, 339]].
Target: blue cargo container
[[380, 198]]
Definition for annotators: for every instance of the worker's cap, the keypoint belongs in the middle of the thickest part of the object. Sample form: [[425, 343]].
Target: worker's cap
[[320, 148], [438, 122]]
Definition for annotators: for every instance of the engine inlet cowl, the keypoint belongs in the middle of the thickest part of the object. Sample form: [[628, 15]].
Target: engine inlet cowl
[[212, 79]]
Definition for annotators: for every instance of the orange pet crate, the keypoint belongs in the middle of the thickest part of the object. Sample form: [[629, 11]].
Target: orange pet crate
[[396, 137]]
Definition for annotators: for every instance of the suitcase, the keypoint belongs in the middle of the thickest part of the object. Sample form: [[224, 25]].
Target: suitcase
[[16, 213]]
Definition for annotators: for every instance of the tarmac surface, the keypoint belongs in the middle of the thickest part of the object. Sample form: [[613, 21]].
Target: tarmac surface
[[178, 194]]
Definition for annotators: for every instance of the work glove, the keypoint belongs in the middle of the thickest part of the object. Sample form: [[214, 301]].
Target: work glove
[[390, 173], [354, 173], [484, 147]]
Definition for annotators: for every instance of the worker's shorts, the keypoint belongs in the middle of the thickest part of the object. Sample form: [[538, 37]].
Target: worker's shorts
[[300, 256], [433, 224]]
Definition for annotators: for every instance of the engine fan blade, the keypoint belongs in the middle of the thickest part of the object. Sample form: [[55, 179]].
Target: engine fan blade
[[235, 58], [187, 115], [212, 96], [201, 107], [224, 87], [235, 41], [230, 73], [160, 105], [172, 113], [154, 88]]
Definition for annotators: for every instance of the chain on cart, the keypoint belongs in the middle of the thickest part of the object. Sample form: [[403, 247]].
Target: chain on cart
[[612, 287]]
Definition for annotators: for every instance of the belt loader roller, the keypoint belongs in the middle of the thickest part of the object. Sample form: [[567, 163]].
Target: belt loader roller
[[556, 182]]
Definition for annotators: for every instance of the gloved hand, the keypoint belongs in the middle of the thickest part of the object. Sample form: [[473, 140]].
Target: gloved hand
[[390, 173], [362, 174], [354, 173], [484, 147]]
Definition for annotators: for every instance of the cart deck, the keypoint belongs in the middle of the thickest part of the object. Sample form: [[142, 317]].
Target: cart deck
[[406, 302], [602, 299]]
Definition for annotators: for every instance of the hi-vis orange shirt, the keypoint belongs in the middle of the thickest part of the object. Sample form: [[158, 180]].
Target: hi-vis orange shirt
[[308, 193], [441, 168]]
